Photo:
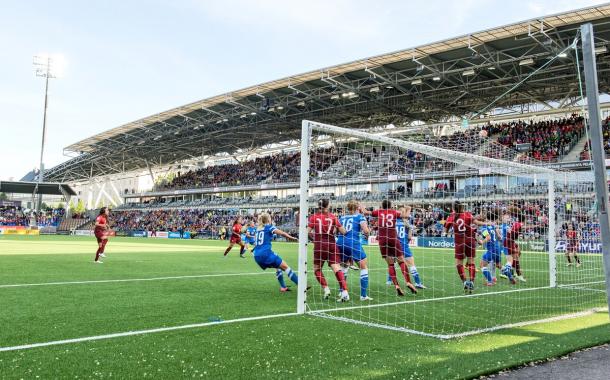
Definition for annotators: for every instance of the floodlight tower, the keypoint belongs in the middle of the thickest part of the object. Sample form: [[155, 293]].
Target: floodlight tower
[[44, 69]]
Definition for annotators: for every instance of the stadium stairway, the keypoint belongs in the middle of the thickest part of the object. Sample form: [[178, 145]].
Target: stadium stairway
[[69, 224], [574, 154]]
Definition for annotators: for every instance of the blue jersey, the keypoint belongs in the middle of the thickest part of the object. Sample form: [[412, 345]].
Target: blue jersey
[[492, 244], [252, 232], [403, 232], [264, 237], [351, 223], [504, 228]]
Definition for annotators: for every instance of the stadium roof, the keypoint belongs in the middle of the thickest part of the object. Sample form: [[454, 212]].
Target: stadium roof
[[431, 83], [45, 188]]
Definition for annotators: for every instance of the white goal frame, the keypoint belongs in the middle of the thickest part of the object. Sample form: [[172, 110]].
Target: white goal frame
[[472, 160]]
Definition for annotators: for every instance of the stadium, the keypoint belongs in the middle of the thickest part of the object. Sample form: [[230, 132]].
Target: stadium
[[435, 212]]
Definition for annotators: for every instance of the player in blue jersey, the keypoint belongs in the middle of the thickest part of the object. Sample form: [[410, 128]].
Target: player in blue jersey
[[405, 232], [251, 236], [351, 248], [264, 255], [505, 228], [493, 254]]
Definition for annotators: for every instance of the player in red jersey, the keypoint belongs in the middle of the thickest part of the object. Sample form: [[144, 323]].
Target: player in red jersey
[[101, 233], [389, 244], [464, 232], [572, 248], [236, 238], [510, 243], [322, 227]]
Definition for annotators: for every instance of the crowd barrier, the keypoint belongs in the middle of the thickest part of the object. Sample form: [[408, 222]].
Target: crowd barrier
[[17, 230]]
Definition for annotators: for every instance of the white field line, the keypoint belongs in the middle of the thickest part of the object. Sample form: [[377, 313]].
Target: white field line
[[466, 333], [140, 332], [370, 306], [133, 279]]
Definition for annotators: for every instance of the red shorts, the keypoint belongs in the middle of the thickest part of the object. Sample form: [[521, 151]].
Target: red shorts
[[511, 247], [100, 236], [325, 251], [465, 249], [235, 239], [390, 248]]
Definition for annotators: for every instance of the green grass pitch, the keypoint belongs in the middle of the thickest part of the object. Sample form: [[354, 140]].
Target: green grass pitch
[[192, 283]]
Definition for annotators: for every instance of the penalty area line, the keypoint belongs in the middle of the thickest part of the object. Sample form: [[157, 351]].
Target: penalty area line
[[141, 332], [133, 279]]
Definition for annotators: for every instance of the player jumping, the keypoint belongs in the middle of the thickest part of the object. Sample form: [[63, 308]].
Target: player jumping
[[264, 255], [351, 248], [465, 243], [510, 243], [405, 233], [321, 228], [101, 233], [389, 244], [236, 238]]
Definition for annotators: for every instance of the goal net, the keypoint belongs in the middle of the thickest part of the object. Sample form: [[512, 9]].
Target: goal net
[[531, 251]]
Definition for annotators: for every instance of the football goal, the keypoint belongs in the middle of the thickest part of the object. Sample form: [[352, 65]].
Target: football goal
[[530, 252]]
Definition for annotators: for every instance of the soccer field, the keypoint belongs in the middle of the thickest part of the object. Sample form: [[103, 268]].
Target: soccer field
[[50, 291]]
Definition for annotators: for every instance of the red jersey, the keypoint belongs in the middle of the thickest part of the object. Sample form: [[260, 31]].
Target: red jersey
[[323, 226], [514, 232], [237, 230], [386, 222], [571, 235], [103, 220], [462, 226]]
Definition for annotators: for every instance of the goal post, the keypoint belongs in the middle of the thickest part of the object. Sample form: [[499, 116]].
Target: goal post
[[428, 175]]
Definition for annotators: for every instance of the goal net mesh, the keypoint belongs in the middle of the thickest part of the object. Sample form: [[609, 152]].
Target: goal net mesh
[[555, 258]]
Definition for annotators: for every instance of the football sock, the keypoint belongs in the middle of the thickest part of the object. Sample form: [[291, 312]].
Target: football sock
[[405, 272], [415, 275], [460, 270], [227, 250], [341, 280], [472, 271], [487, 274], [517, 265], [280, 278], [364, 282], [321, 279], [291, 275], [508, 271], [392, 273]]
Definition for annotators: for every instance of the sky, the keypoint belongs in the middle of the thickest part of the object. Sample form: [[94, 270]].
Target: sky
[[127, 59]]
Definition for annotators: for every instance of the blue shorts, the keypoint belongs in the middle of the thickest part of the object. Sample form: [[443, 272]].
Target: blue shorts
[[251, 241], [492, 257], [268, 260], [407, 250], [351, 250]]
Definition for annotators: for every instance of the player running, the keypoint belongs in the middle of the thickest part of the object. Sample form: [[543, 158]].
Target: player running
[[101, 233], [405, 233], [264, 255], [251, 236], [236, 238], [572, 248], [464, 232], [389, 244], [321, 228], [351, 248]]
